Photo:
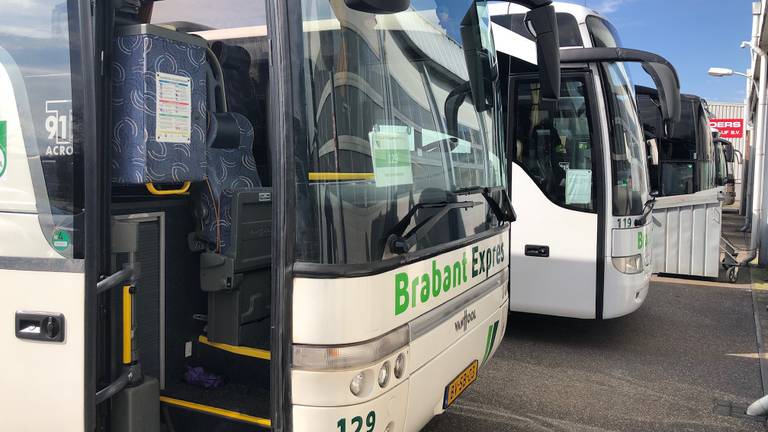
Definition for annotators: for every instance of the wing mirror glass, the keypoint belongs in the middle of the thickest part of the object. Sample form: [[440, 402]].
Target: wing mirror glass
[[480, 55]]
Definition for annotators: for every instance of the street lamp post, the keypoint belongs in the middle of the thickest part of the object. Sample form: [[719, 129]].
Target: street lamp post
[[757, 156], [746, 206]]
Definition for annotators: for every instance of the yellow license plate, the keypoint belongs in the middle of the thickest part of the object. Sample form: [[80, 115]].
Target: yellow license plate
[[459, 384]]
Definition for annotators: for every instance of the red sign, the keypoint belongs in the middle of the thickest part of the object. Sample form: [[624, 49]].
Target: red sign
[[729, 128]]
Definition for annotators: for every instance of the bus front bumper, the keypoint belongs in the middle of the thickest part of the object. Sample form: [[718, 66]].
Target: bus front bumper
[[414, 401]]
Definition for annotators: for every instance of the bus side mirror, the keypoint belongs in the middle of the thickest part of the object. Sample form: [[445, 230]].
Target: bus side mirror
[[542, 24], [379, 6], [727, 150], [480, 57]]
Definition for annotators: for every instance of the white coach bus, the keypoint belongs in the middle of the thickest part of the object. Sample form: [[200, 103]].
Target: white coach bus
[[250, 214], [579, 178]]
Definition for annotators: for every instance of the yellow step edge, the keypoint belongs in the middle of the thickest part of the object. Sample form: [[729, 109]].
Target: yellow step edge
[[334, 176], [234, 415], [244, 351]]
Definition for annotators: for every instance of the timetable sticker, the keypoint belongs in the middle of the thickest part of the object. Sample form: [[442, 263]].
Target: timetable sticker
[[391, 154], [174, 109]]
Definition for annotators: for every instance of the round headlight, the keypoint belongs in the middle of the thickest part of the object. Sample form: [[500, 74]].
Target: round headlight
[[384, 374], [356, 386], [400, 366]]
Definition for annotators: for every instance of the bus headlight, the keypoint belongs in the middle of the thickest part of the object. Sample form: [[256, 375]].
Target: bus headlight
[[356, 386], [337, 357], [384, 374], [400, 366], [629, 265]]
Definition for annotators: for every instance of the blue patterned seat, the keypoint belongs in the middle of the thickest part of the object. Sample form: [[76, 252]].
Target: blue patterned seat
[[230, 168], [140, 153]]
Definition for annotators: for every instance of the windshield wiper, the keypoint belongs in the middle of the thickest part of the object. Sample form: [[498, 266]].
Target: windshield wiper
[[503, 210], [400, 243], [647, 209]]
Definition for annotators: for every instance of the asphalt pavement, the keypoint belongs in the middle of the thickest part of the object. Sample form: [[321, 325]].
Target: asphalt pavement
[[685, 361]]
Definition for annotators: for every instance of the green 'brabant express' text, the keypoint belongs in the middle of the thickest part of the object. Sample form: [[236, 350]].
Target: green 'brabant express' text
[[411, 291]]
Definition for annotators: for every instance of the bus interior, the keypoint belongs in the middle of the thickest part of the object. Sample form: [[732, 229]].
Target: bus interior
[[192, 213]]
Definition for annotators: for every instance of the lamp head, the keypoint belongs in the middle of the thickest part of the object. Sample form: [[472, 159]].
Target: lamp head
[[720, 72]]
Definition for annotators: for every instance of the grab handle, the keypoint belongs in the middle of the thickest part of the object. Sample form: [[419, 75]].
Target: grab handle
[[162, 192]]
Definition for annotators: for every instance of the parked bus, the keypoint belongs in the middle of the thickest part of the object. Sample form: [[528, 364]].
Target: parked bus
[[688, 158], [250, 214], [579, 180], [725, 158]]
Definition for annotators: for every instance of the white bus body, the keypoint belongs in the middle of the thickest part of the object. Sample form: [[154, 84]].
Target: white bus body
[[268, 223], [576, 255]]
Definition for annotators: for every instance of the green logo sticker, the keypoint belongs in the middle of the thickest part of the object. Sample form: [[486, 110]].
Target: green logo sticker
[[3, 151], [642, 240], [490, 340], [61, 240]]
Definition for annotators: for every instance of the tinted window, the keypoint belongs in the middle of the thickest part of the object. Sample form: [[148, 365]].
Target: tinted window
[[603, 33], [36, 65], [628, 162], [682, 143], [677, 178], [567, 27], [706, 156], [554, 145]]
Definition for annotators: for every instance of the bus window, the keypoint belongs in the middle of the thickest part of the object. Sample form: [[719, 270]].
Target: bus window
[[629, 168], [37, 76], [677, 178], [602, 32], [377, 141], [554, 146], [706, 153], [567, 28]]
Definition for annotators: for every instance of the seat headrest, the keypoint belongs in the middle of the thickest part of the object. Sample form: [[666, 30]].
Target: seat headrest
[[230, 131], [232, 57]]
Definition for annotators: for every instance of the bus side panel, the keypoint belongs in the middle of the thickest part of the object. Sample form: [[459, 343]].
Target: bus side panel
[[377, 304], [42, 382]]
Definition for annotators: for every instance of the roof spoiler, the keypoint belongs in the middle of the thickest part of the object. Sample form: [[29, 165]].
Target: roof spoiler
[[661, 71]]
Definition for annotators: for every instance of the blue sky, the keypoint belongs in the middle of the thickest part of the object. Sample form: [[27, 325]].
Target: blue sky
[[692, 34]]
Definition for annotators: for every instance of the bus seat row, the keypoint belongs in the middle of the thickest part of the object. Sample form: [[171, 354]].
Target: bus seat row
[[148, 148], [151, 148], [231, 168]]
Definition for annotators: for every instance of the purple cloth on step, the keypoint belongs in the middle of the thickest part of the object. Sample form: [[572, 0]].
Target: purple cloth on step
[[197, 376]]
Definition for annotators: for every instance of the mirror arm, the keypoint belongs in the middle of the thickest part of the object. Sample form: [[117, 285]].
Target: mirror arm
[[452, 104]]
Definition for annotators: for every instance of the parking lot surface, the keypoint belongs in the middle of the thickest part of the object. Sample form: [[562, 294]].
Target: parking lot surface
[[685, 361]]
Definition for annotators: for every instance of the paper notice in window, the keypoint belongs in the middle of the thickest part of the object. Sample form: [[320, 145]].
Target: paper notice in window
[[391, 155], [174, 109], [578, 186]]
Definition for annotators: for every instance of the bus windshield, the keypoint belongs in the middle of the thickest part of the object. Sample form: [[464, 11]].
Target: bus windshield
[[628, 163], [377, 142]]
